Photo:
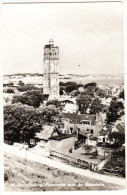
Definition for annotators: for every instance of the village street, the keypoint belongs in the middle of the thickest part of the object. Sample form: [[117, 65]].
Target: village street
[[36, 157]]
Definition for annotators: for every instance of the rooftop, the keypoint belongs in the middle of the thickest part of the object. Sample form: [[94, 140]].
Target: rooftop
[[76, 118], [60, 137], [121, 128], [47, 132]]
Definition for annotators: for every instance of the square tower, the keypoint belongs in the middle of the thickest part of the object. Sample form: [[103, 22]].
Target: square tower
[[51, 70]]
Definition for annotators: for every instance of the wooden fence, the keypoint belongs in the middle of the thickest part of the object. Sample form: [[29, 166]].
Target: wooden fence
[[72, 160]]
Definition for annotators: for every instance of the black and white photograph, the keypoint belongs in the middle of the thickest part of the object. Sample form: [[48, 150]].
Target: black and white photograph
[[63, 77]]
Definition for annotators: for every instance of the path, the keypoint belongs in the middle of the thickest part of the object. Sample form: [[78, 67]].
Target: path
[[62, 166]]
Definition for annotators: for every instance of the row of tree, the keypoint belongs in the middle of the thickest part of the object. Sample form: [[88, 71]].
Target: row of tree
[[31, 98], [68, 87]]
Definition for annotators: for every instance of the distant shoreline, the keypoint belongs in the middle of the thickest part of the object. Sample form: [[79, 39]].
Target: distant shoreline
[[106, 80], [69, 75]]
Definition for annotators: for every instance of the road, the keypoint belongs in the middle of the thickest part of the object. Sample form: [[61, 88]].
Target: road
[[29, 155]]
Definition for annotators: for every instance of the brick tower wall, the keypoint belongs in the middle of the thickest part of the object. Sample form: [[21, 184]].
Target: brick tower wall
[[51, 70]]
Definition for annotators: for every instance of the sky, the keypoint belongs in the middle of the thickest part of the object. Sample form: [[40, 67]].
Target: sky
[[89, 36]]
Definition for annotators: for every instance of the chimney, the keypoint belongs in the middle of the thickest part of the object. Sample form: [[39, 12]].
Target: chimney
[[97, 116]]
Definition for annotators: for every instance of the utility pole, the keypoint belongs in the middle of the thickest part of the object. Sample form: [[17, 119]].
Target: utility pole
[[26, 157]]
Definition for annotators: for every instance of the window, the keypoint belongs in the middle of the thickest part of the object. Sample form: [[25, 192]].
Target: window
[[78, 130], [32, 141], [91, 131], [71, 129]]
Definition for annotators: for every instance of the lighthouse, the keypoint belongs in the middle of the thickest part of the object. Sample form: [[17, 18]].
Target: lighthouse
[[51, 70]]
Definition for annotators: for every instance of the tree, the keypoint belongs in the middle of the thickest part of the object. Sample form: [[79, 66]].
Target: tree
[[101, 93], [51, 114], [115, 111], [20, 123], [117, 162], [70, 86], [121, 95], [27, 87], [9, 91], [118, 137], [61, 84], [61, 90], [95, 106], [8, 84], [31, 98], [83, 102], [75, 93], [54, 102], [21, 83], [89, 91], [93, 84]]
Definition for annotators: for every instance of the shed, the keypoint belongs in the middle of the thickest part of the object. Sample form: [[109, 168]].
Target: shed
[[51, 138]]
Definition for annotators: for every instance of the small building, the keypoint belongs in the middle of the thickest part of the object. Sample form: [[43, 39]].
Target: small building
[[51, 138], [103, 138], [91, 140]]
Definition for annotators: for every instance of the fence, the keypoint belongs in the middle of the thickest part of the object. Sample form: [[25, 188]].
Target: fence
[[73, 160]]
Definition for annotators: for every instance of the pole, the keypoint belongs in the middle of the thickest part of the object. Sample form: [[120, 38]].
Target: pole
[[25, 157]]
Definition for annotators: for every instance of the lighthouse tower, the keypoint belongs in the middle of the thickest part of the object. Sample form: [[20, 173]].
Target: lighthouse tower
[[51, 70]]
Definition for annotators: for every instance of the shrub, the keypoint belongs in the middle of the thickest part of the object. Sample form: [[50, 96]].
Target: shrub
[[10, 91], [8, 84], [27, 88], [21, 83], [93, 84], [5, 177]]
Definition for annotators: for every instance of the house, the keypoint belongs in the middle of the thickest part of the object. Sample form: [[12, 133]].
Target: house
[[85, 126], [91, 140], [51, 138], [103, 138], [80, 123]]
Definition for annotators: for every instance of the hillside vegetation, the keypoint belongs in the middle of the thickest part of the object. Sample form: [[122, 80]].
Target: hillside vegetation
[[27, 176]]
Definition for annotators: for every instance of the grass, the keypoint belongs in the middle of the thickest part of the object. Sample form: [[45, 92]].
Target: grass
[[30, 176]]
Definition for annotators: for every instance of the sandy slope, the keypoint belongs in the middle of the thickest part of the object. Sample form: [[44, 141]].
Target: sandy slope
[[62, 166]]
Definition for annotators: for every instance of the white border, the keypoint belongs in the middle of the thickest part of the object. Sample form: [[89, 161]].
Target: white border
[[3, 2]]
